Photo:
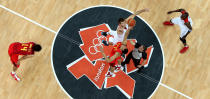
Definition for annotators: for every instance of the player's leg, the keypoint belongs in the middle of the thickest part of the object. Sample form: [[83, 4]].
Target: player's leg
[[107, 43], [103, 41], [107, 33], [168, 23], [172, 21], [13, 57], [14, 60], [110, 42], [111, 70], [119, 66], [112, 39], [104, 33], [15, 67], [140, 69], [127, 59], [183, 40], [136, 63]]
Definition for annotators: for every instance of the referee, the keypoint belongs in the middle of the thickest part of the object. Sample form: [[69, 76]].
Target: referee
[[136, 54]]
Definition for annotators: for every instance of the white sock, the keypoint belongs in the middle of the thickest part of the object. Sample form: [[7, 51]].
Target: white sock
[[186, 45], [13, 72], [17, 77]]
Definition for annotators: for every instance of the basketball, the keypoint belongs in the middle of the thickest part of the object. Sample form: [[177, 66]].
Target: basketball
[[131, 22]]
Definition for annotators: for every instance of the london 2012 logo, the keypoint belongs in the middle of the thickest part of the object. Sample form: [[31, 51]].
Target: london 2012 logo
[[96, 73], [77, 50]]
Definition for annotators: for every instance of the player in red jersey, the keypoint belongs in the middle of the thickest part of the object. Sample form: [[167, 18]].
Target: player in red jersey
[[26, 50], [115, 55]]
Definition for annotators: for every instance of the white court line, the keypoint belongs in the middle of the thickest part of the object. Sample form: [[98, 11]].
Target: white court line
[[42, 26], [32, 21], [175, 90]]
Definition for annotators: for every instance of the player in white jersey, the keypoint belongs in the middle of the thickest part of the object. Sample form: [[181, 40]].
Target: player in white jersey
[[118, 35], [185, 24]]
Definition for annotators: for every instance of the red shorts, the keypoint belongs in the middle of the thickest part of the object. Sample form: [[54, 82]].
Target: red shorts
[[13, 57], [115, 62]]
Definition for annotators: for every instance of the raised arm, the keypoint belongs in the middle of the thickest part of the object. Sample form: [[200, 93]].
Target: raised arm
[[126, 34], [178, 10], [137, 13]]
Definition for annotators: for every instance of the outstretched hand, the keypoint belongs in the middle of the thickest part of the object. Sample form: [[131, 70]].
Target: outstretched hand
[[169, 12], [145, 10], [140, 11]]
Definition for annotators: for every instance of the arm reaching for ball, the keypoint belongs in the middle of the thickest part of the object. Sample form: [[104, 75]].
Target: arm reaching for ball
[[137, 13]]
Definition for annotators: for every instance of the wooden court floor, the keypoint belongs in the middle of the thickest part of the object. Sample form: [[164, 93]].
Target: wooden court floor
[[187, 73]]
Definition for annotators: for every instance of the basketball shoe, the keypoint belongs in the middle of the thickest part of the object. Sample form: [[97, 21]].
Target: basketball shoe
[[15, 76]]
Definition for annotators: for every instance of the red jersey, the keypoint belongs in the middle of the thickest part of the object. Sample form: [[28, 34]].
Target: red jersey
[[115, 49], [22, 48], [16, 49]]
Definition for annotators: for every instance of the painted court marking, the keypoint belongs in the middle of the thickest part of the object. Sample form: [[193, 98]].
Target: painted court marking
[[42, 26], [175, 90], [32, 21]]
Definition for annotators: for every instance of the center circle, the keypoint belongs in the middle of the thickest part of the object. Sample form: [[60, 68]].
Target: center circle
[[66, 50]]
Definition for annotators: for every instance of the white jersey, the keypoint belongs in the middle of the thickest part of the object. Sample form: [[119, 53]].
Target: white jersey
[[184, 29], [117, 37]]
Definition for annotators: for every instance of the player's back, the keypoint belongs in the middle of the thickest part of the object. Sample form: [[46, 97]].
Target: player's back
[[23, 48], [116, 48]]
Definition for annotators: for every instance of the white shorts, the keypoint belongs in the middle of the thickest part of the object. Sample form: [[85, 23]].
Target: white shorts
[[115, 37], [184, 29]]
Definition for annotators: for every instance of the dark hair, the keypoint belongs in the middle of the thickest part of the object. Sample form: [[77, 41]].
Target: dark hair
[[37, 47], [120, 20], [125, 51], [139, 45], [185, 15]]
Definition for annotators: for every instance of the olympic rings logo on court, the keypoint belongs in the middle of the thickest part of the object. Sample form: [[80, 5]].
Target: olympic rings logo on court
[[85, 41], [99, 42]]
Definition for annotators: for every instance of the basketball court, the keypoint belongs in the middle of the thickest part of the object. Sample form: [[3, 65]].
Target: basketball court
[[182, 76]]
